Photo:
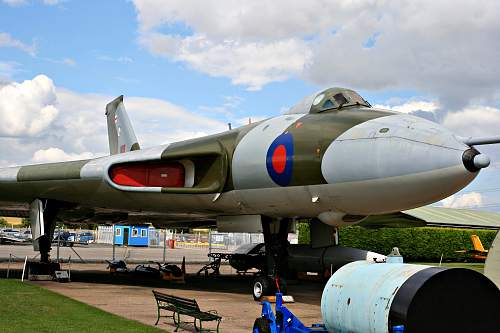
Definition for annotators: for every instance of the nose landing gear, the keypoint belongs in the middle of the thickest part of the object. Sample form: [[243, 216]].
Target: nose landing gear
[[276, 244]]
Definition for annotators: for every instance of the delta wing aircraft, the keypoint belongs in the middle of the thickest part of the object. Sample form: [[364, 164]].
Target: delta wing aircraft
[[332, 157]]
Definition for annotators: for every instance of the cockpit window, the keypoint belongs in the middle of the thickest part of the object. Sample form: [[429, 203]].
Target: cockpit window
[[340, 99], [329, 100], [328, 105]]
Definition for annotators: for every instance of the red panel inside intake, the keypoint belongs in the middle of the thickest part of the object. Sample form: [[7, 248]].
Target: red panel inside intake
[[149, 175]]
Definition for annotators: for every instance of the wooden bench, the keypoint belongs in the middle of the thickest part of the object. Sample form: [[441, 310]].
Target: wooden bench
[[184, 306]]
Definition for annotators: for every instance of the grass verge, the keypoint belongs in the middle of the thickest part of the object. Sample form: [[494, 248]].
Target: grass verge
[[478, 267], [28, 308]]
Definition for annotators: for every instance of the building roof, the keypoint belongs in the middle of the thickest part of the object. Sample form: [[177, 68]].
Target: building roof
[[13, 220], [436, 216], [456, 217]]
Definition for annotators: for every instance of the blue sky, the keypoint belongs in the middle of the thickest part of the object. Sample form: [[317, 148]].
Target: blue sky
[[189, 67]]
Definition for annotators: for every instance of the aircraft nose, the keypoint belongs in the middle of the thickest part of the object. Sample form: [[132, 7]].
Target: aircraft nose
[[410, 161]]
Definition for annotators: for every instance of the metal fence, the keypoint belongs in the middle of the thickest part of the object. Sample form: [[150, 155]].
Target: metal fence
[[222, 241], [104, 235], [212, 241], [155, 239]]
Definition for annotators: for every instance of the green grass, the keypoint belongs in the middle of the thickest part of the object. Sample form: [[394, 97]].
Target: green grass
[[28, 308], [478, 267]]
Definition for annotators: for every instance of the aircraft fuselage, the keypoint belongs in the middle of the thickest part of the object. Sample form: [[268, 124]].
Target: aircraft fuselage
[[355, 161]]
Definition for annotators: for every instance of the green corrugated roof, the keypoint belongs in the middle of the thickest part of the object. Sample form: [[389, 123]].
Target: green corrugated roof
[[455, 217]]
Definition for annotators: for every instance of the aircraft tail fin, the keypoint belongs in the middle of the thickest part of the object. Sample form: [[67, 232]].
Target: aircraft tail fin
[[477, 244], [120, 132]]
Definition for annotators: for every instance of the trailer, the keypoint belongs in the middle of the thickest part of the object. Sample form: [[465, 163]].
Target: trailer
[[283, 322]]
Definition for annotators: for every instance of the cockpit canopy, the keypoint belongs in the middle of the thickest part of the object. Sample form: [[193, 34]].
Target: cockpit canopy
[[329, 99]]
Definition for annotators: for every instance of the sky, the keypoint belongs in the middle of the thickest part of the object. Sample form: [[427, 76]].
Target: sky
[[187, 68]]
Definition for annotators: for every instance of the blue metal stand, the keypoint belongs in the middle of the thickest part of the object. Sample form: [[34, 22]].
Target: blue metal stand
[[284, 321]]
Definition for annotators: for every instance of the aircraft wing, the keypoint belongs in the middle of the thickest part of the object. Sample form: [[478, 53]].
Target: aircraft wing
[[85, 215], [418, 217], [12, 209]]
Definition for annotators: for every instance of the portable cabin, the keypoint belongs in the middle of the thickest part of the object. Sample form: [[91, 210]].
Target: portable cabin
[[136, 235]]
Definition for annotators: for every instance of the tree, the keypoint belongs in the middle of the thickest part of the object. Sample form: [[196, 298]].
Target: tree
[[3, 222], [26, 223]]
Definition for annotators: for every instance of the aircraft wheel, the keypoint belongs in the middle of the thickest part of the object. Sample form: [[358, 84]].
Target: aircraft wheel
[[261, 325], [263, 286]]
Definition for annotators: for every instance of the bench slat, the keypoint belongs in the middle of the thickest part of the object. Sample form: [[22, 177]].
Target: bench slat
[[184, 306], [181, 303]]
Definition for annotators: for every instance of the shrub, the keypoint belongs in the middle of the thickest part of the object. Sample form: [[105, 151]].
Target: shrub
[[415, 244]]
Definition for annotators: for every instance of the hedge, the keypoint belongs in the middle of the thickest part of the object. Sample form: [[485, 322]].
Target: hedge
[[415, 244]]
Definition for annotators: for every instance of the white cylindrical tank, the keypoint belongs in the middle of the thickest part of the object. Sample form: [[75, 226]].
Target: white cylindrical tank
[[364, 297]]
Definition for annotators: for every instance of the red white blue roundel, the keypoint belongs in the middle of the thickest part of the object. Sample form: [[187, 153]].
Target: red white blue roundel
[[279, 159]]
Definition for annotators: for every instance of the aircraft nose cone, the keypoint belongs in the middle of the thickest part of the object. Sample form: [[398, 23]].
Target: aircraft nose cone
[[481, 161], [399, 162]]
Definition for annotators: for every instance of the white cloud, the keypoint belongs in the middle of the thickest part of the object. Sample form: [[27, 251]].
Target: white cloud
[[6, 40], [253, 64], [69, 62], [30, 132], [447, 48], [228, 109], [122, 60], [27, 108], [14, 3], [411, 106], [58, 155], [474, 121], [468, 200], [477, 121]]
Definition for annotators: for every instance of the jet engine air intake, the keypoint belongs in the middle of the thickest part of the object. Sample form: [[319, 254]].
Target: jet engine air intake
[[165, 174]]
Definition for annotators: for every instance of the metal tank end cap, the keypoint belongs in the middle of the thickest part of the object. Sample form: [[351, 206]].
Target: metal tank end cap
[[481, 161]]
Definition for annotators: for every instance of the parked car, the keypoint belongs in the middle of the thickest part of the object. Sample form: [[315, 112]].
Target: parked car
[[26, 234], [248, 256], [10, 232], [86, 237], [64, 238]]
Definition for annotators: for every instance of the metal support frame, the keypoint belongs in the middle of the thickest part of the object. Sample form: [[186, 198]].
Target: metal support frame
[[114, 242], [276, 246], [43, 221], [8, 266], [164, 246], [58, 241], [81, 259], [284, 321]]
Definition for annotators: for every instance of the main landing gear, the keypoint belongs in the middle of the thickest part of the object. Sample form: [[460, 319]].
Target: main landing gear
[[276, 242], [43, 222]]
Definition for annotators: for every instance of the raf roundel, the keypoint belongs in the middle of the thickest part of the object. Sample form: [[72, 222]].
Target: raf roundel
[[279, 159]]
